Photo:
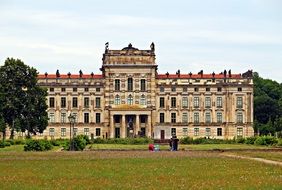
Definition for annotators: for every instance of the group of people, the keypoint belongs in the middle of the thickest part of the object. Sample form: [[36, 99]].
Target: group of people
[[173, 143]]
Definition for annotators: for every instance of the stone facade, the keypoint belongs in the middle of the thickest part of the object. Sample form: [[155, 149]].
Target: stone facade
[[130, 98]]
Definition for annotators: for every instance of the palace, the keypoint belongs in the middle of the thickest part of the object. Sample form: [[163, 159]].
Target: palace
[[130, 98]]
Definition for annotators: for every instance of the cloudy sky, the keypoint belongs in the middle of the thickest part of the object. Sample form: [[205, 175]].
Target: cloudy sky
[[212, 35]]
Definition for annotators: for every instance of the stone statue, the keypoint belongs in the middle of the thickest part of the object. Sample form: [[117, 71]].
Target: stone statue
[[80, 73], [57, 73], [106, 47], [152, 46]]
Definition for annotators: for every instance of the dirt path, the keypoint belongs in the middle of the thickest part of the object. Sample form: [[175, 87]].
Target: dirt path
[[251, 158]]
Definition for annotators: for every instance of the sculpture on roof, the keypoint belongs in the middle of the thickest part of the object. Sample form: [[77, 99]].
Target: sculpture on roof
[[57, 73], [152, 46], [80, 73], [106, 47]]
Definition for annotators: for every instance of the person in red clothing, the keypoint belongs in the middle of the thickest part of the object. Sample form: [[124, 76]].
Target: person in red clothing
[[151, 147]]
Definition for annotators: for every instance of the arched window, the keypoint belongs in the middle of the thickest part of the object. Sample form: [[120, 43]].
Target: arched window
[[130, 100], [117, 100], [130, 84], [143, 100]]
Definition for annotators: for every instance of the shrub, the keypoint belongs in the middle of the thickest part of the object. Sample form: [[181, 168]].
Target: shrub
[[19, 141], [250, 140], [186, 140], [279, 142], [78, 143], [240, 140], [10, 141], [266, 140], [2, 144], [122, 141], [38, 145]]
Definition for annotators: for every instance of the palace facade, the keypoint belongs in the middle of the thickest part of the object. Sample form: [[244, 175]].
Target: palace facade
[[130, 98]]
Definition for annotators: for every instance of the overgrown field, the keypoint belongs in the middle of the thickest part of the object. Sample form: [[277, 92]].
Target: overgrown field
[[134, 170]]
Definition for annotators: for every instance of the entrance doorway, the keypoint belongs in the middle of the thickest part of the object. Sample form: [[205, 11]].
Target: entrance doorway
[[162, 134], [117, 132]]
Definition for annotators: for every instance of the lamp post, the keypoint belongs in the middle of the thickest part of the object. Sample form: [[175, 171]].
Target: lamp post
[[71, 120]]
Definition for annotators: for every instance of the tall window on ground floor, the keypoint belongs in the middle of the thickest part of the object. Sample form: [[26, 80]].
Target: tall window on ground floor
[[63, 132], [52, 117], [98, 132], [196, 131], [173, 117], [239, 132], [208, 132], [98, 118], [86, 131], [75, 131], [173, 131], [86, 117], [185, 132], [219, 131], [162, 117], [52, 132]]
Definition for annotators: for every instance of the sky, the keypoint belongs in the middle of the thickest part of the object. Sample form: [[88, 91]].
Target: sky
[[209, 35]]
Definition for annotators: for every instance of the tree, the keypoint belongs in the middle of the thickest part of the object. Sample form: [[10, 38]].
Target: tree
[[24, 101]]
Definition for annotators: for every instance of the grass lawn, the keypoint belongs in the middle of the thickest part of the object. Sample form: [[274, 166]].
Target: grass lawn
[[134, 170], [275, 156]]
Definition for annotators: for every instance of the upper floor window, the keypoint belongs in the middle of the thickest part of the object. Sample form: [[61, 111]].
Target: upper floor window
[[98, 117], [239, 102], [208, 117], [86, 102], [208, 102], [117, 100], [196, 89], [219, 117], [173, 89], [143, 100], [51, 102], [185, 102], [196, 102], [239, 89], [51, 89], [219, 102], [173, 117], [86, 117], [86, 89], [129, 84], [63, 89], [208, 89], [52, 117], [63, 102], [185, 117], [173, 102], [161, 89], [98, 102], [63, 117], [162, 117], [162, 102], [196, 118], [74, 102], [117, 85], [98, 89], [239, 117], [130, 100], [184, 89], [143, 85], [74, 89], [219, 89]]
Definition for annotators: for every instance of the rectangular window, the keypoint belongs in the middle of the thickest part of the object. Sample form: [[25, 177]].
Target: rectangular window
[[239, 117], [52, 132], [51, 89], [98, 102], [129, 84], [117, 85], [98, 118], [173, 117], [185, 102], [98, 90], [51, 117], [162, 117], [74, 102], [196, 118], [143, 85], [219, 102], [208, 102], [63, 132], [239, 132], [173, 102], [173, 89], [75, 116], [208, 117], [98, 132], [51, 102], [75, 131], [185, 132], [63, 89], [196, 131], [208, 132], [86, 131], [239, 89], [173, 131], [161, 89], [184, 89], [196, 89], [185, 117], [219, 131], [86, 89], [162, 102], [63, 102], [219, 89], [219, 117], [196, 102], [86, 117], [239, 102], [74, 89], [86, 102], [208, 89], [63, 117]]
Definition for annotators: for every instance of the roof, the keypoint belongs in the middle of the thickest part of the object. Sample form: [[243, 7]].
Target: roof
[[196, 76], [72, 76]]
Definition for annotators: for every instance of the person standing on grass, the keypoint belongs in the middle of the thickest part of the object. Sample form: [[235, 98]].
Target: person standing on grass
[[171, 144], [175, 143]]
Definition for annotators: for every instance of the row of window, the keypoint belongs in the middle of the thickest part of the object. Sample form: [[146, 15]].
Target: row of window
[[130, 100], [219, 117], [196, 89], [130, 84], [74, 89], [74, 102], [207, 132], [196, 102], [64, 117], [75, 132]]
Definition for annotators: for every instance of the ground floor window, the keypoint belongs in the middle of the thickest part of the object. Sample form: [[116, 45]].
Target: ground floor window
[[196, 131], [86, 131], [75, 131], [208, 132], [63, 132], [239, 132], [52, 132], [173, 131], [98, 132], [219, 131], [185, 131]]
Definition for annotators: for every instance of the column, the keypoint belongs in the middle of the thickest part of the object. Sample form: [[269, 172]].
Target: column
[[149, 126], [137, 128], [123, 127], [112, 126]]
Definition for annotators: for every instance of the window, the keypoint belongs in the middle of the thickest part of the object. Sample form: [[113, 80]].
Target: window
[[219, 131], [162, 102], [117, 100], [74, 89], [208, 89], [196, 131], [130, 100], [86, 102], [184, 89], [196, 118], [52, 117], [208, 117], [129, 84], [239, 102], [185, 117], [143, 119], [239, 89], [52, 132], [162, 117], [173, 102], [143, 85], [239, 117], [98, 102], [75, 116], [98, 118], [63, 89], [98, 89], [98, 132], [196, 102], [117, 85], [173, 131], [74, 102], [63, 132], [208, 132], [63, 102], [173, 117], [219, 117], [173, 89], [86, 117], [51, 102], [143, 100], [219, 102], [185, 102], [208, 102], [51, 89], [63, 117], [239, 132], [196, 89], [219, 89], [86, 131], [75, 131], [86, 89], [161, 89], [185, 132]]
